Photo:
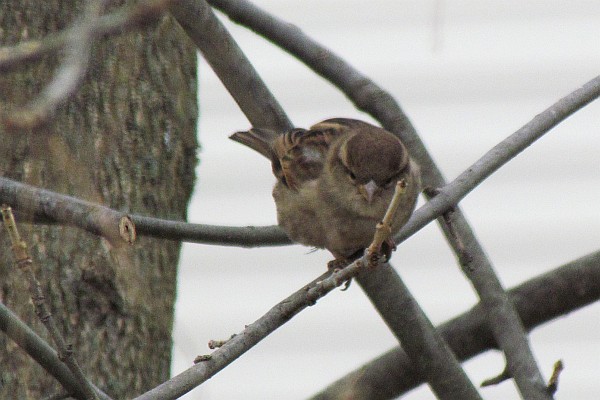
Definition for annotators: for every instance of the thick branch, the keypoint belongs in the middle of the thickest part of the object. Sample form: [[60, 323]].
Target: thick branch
[[40, 205], [539, 300], [36, 205], [232, 67], [428, 352]]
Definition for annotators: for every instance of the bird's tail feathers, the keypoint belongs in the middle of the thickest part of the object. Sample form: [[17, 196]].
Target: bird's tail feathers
[[257, 139]]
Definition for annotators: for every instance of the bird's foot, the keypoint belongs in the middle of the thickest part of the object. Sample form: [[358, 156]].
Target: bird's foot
[[341, 262], [338, 264]]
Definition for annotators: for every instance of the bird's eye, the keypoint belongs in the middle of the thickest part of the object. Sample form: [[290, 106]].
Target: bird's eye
[[388, 182], [350, 173]]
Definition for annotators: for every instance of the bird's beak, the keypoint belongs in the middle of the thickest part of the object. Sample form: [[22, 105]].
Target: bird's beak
[[369, 190]]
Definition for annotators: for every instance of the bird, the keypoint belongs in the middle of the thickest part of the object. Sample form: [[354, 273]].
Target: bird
[[335, 181]]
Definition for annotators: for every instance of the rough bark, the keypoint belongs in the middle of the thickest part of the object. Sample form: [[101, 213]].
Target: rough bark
[[126, 140]]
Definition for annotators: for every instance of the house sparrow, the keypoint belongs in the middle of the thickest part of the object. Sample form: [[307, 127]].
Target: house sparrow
[[335, 182]]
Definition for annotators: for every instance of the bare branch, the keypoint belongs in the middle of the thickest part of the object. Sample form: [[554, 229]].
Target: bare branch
[[499, 155], [125, 19], [383, 229], [553, 381], [401, 312], [230, 64], [428, 352], [42, 353], [39, 205], [36, 205], [25, 264], [539, 300], [238, 344], [44, 206], [246, 236], [208, 366], [68, 78], [496, 380]]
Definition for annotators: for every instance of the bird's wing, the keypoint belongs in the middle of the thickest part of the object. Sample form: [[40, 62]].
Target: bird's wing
[[301, 154], [257, 139], [297, 156]]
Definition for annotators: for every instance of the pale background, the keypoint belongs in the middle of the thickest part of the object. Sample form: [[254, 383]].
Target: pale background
[[468, 74]]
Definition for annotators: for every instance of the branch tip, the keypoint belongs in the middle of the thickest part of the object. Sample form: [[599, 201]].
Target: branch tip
[[383, 230], [504, 376], [553, 381]]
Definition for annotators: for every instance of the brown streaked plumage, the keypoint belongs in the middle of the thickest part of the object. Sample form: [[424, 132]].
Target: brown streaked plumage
[[335, 181]]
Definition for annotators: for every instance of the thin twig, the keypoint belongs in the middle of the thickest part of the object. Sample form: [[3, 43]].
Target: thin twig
[[496, 380], [42, 353], [125, 19], [208, 366], [553, 381], [383, 229], [499, 155], [539, 300], [25, 264], [215, 344], [69, 75]]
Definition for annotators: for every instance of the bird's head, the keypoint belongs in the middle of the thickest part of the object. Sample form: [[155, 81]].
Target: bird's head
[[373, 162]]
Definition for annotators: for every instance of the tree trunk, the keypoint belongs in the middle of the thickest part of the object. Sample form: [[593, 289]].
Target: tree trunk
[[126, 140]]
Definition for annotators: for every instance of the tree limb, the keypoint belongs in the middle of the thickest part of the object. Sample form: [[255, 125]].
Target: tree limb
[[42, 353], [426, 348], [539, 300], [230, 64], [32, 204]]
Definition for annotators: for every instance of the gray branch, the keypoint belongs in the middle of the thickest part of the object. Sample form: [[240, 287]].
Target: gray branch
[[539, 300], [42, 353], [69, 76], [125, 19], [429, 353], [230, 64], [32, 204]]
